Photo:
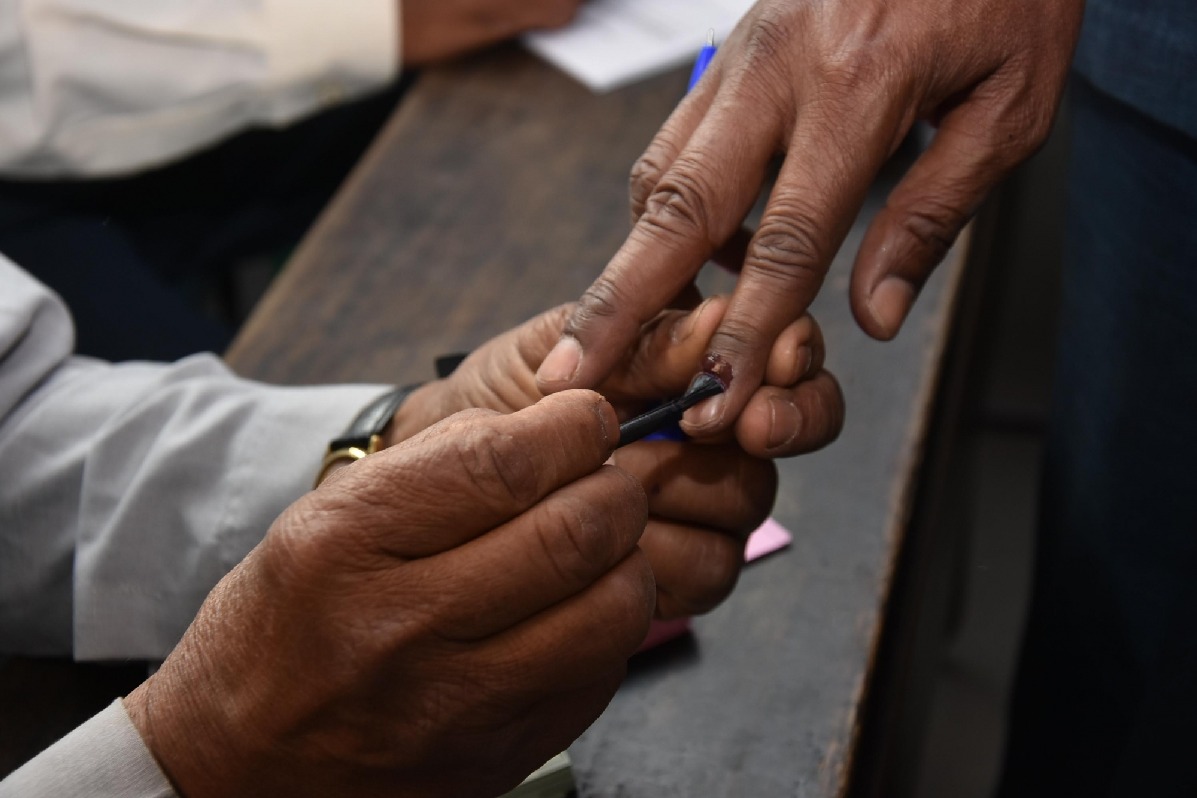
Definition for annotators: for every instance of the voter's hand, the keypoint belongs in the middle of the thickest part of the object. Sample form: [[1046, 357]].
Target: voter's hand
[[834, 87], [433, 30], [439, 619], [705, 495]]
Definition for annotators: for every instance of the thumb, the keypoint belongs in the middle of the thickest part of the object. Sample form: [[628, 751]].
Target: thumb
[[925, 213], [468, 474]]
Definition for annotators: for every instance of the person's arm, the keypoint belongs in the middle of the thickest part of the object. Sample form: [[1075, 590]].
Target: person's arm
[[128, 491]]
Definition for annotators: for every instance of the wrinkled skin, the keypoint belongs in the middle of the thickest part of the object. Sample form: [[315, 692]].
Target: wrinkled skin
[[705, 497], [444, 615], [440, 618], [834, 86]]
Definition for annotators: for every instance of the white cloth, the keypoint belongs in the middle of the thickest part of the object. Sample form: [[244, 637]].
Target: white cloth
[[127, 491], [104, 87], [103, 758]]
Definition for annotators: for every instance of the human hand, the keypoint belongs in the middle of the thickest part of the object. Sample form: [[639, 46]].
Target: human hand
[[434, 30], [705, 496], [438, 619], [834, 86]]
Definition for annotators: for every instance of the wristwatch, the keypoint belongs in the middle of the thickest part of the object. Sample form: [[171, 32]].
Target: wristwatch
[[364, 435]]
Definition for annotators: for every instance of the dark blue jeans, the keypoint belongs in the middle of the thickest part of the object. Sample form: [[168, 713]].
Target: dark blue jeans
[[1106, 695], [139, 259]]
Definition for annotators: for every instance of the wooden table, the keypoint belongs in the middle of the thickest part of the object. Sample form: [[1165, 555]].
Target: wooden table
[[498, 189]]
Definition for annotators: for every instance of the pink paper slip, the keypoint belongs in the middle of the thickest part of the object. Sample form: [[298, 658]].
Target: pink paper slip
[[768, 538], [662, 631]]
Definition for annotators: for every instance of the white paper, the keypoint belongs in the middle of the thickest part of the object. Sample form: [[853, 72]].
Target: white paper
[[615, 42]]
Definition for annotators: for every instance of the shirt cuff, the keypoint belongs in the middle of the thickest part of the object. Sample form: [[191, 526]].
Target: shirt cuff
[[329, 52], [103, 758], [143, 572]]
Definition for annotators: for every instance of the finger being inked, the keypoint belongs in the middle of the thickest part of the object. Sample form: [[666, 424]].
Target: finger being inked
[[707, 417]]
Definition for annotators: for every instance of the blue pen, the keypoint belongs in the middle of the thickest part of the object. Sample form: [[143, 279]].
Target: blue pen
[[673, 432], [704, 60]]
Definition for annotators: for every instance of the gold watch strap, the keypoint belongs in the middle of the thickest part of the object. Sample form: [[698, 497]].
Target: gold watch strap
[[346, 454], [364, 435]]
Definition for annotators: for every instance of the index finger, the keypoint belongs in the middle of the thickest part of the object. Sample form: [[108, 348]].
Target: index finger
[[471, 473], [698, 202]]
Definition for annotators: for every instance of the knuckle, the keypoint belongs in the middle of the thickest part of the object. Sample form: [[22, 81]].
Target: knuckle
[[678, 206], [788, 247], [933, 225], [758, 480], [630, 497], [636, 593], [1016, 137], [738, 337], [572, 534], [828, 407], [1039, 127], [497, 467], [714, 570], [764, 72], [604, 299], [296, 542], [310, 534], [769, 37], [645, 175], [855, 67], [1021, 118], [464, 420]]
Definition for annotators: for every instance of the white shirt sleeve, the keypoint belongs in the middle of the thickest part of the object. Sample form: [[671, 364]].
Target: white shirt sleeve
[[104, 87], [103, 758], [127, 491]]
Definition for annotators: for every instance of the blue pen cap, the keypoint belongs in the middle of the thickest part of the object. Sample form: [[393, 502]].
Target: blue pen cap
[[700, 65], [671, 432]]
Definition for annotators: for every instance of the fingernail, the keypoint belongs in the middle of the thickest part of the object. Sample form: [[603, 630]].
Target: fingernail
[[705, 414], [805, 358], [784, 422], [562, 363], [890, 302]]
